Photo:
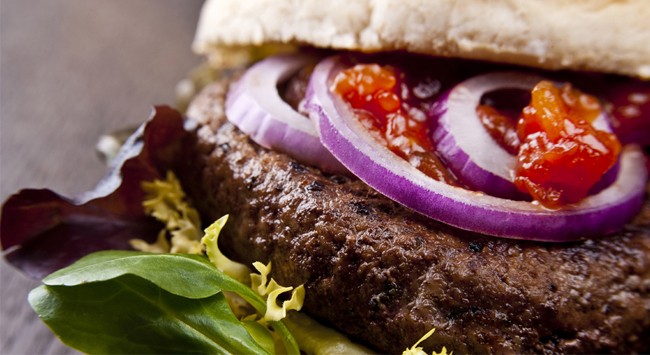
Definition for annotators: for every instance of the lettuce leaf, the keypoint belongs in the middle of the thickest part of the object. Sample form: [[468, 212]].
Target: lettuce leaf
[[41, 231], [417, 350], [136, 302], [231, 268]]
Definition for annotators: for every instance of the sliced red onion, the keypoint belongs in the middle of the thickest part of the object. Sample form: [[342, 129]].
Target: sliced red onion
[[256, 108], [467, 147], [373, 163]]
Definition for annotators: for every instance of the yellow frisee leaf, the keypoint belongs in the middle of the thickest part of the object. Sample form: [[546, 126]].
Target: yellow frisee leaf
[[272, 290], [416, 350], [165, 200], [275, 312], [161, 245], [238, 271], [259, 281]]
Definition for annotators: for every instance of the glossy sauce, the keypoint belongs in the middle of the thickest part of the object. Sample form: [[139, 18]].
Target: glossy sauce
[[384, 105], [562, 154], [501, 128]]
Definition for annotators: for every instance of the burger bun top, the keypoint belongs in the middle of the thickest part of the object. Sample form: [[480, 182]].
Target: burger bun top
[[611, 36]]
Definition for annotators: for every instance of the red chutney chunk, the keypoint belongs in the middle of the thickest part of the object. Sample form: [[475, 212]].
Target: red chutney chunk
[[500, 127], [562, 155], [378, 96]]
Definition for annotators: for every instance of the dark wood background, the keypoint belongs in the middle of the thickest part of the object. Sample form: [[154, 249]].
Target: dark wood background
[[71, 70]]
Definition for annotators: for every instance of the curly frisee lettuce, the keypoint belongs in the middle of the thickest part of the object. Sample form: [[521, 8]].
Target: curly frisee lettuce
[[210, 242], [416, 350], [165, 200]]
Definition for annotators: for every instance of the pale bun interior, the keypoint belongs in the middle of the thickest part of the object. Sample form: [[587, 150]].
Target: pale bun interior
[[610, 36]]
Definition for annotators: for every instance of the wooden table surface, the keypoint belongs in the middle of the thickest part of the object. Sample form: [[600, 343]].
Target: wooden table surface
[[71, 70]]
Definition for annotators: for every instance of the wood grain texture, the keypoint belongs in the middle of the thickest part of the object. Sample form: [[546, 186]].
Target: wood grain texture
[[70, 71]]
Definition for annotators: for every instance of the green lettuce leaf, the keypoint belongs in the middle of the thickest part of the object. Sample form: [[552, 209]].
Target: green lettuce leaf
[[190, 276], [133, 316], [135, 302]]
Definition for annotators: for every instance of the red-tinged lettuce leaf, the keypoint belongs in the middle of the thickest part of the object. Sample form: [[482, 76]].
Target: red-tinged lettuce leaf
[[41, 231]]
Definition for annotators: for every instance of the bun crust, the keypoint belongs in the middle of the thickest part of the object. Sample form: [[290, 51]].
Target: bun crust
[[595, 35]]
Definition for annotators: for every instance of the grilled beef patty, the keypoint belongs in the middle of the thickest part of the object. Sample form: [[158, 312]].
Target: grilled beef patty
[[386, 275]]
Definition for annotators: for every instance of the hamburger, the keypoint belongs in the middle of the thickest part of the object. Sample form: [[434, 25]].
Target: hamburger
[[380, 272], [385, 270]]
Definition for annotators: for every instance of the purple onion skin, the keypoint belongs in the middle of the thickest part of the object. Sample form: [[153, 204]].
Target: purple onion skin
[[608, 178], [273, 130], [459, 161], [461, 164], [267, 132], [461, 208]]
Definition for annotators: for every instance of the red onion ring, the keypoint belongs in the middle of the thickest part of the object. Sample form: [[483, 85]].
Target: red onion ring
[[344, 136], [463, 142], [256, 108], [466, 146]]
